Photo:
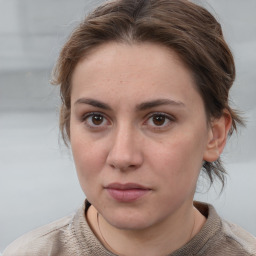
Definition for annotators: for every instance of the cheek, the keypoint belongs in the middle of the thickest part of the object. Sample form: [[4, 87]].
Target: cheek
[[89, 157], [88, 165], [178, 161]]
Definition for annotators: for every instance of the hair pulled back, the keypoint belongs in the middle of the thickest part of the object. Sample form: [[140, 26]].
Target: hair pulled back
[[180, 25]]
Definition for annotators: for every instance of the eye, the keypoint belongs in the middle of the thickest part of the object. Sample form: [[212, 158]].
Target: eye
[[159, 120], [95, 120]]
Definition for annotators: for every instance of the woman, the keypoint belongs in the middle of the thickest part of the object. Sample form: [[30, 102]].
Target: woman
[[144, 87]]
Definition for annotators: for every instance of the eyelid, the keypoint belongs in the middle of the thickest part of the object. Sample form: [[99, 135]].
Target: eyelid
[[90, 114], [171, 119], [151, 114]]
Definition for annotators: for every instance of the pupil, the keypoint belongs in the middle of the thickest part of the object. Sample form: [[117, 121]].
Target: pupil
[[159, 120], [97, 119]]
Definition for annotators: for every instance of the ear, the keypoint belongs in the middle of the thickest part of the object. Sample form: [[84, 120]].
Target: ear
[[218, 133]]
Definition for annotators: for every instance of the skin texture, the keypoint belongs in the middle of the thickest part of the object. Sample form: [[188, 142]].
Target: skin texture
[[116, 138]]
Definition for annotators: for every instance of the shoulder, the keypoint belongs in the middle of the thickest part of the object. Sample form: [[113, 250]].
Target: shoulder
[[68, 236], [239, 238], [220, 237], [42, 240]]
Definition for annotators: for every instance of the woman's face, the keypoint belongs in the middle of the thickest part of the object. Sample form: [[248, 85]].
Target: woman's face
[[138, 133]]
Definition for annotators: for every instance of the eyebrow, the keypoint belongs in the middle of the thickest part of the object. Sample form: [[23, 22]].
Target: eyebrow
[[94, 103], [140, 107], [158, 102]]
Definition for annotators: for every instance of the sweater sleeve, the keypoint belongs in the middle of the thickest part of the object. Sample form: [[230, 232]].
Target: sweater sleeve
[[44, 241]]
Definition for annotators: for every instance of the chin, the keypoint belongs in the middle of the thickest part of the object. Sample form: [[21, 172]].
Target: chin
[[126, 221], [132, 225]]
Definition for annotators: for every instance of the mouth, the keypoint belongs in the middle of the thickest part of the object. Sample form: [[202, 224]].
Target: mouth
[[128, 192]]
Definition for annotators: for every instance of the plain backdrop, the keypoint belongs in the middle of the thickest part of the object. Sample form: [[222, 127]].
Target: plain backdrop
[[38, 183]]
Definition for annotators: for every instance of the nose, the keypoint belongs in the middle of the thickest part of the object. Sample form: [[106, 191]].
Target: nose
[[126, 150]]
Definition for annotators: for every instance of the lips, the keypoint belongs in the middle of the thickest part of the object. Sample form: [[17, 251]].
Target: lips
[[126, 192]]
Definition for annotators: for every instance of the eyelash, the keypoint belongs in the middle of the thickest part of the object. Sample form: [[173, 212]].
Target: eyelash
[[93, 114], [167, 118]]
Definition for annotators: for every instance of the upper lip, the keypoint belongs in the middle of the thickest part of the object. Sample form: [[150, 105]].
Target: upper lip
[[125, 186]]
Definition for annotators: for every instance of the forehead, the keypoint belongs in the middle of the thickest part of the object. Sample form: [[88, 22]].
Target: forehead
[[135, 70], [137, 57]]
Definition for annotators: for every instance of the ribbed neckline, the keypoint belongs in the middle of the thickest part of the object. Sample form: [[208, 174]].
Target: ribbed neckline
[[209, 230], [90, 244]]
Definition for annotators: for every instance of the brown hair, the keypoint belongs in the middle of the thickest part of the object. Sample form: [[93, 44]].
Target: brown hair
[[185, 27]]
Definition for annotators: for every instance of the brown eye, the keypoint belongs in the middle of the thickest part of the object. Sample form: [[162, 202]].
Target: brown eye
[[159, 120], [97, 119]]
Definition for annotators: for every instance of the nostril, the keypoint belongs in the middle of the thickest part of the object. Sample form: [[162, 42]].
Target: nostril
[[124, 154], [122, 166], [113, 166]]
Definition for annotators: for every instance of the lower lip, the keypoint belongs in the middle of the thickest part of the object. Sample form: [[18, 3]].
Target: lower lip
[[127, 195]]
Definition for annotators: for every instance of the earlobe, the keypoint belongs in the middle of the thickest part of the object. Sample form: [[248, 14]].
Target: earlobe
[[217, 138]]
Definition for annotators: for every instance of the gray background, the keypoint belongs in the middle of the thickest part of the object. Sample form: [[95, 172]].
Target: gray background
[[38, 183]]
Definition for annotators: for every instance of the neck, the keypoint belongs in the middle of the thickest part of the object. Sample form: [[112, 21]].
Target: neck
[[162, 239]]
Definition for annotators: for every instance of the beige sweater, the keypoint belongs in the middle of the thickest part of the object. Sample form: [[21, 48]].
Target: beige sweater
[[72, 236]]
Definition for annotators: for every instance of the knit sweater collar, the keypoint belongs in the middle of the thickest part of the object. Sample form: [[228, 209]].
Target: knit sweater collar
[[90, 244]]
